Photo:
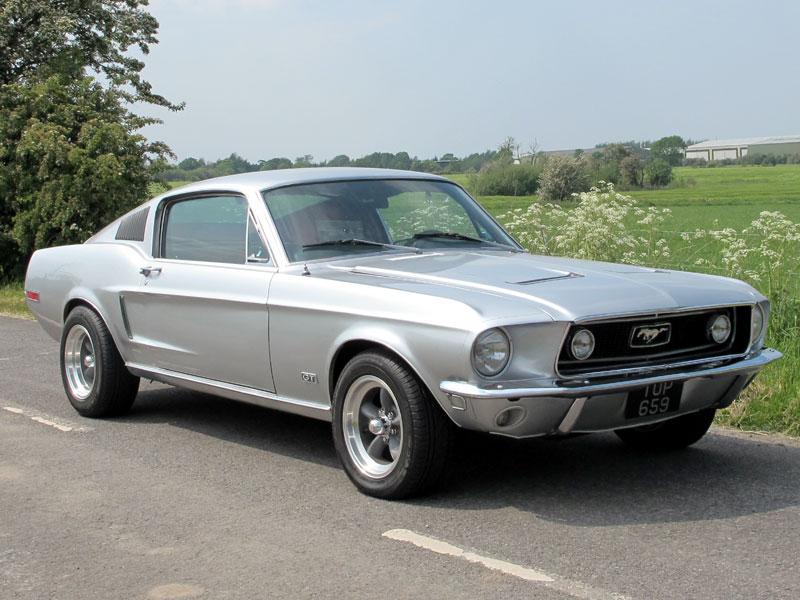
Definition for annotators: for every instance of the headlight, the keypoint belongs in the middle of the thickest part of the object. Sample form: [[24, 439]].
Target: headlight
[[757, 323], [719, 328], [491, 352], [582, 344]]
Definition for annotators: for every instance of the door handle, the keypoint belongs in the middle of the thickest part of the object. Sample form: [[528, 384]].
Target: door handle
[[147, 271]]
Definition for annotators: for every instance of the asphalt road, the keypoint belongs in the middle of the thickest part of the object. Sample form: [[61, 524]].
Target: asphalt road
[[192, 496]]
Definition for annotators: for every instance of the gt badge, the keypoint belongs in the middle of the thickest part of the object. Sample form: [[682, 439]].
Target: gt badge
[[309, 377]]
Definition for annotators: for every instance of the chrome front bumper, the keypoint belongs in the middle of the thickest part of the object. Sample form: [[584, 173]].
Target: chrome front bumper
[[572, 406]]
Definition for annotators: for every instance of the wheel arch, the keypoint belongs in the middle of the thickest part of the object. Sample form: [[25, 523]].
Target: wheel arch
[[74, 303], [78, 300], [351, 348]]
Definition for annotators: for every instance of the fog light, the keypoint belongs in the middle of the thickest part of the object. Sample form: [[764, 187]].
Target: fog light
[[582, 344], [719, 328], [508, 417]]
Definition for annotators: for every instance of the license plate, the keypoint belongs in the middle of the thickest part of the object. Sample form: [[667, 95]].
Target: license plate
[[655, 399]]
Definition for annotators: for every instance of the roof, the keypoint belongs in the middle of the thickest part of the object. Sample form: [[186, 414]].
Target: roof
[[786, 139], [262, 180], [583, 151]]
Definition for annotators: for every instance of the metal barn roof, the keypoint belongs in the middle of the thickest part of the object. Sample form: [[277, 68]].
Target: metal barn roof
[[738, 142]]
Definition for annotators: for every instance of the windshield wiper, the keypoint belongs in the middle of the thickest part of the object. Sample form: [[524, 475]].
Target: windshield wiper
[[358, 242], [460, 236]]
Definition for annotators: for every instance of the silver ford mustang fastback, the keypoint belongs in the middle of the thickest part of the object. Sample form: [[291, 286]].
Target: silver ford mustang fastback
[[391, 304]]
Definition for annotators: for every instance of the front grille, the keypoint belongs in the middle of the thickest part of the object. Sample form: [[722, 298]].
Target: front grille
[[689, 340]]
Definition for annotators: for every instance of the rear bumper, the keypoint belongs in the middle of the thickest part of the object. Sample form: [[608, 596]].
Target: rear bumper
[[560, 407]]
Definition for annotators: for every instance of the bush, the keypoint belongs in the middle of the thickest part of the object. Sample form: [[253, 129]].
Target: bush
[[561, 177], [631, 171], [658, 173], [596, 229], [505, 180]]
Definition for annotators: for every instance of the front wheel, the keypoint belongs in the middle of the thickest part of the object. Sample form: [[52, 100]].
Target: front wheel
[[94, 375], [673, 434], [392, 438]]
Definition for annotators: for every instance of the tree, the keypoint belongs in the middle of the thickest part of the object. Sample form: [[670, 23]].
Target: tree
[[508, 150], [275, 163], [69, 164], [189, 164], [669, 149], [562, 176], [303, 161], [631, 171], [71, 159], [402, 161], [658, 173], [341, 160], [95, 34]]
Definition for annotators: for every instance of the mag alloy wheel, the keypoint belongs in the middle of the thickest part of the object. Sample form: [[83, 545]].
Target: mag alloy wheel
[[79, 362], [392, 438], [92, 370], [373, 427]]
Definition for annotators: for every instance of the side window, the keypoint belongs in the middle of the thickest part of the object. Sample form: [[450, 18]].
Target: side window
[[212, 229], [256, 251]]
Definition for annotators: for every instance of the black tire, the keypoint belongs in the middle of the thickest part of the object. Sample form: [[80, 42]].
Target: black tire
[[407, 455], [673, 434], [92, 371]]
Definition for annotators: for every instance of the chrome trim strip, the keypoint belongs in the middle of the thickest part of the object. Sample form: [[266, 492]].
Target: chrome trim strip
[[545, 279], [233, 391], [556, 388], [610, 318], [658, 367]]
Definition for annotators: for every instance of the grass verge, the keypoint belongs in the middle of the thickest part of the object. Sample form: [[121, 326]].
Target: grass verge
[[12, 301]]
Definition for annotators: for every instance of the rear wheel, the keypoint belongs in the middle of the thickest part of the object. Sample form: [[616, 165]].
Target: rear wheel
[[94, 375], [392, 438], [673, 434]]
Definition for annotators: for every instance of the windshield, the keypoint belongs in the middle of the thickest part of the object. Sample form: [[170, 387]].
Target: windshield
[[327, 220]]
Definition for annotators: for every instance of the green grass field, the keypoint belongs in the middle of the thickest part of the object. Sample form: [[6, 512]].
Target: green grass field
[[732, 196]]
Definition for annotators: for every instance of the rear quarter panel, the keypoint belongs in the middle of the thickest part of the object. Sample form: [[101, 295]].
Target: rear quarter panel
[[95, 274]]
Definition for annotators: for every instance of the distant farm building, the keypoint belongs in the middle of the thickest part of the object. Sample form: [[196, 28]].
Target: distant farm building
[[722, 149]]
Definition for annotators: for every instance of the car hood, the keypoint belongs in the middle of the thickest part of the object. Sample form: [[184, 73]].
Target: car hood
[[564, 289]]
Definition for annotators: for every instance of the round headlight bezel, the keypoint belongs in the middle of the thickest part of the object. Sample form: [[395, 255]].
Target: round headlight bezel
[[482, 363], [586, 338], [758, 323], [713, 331]]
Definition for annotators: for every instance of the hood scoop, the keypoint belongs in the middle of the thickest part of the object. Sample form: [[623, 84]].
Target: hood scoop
[[562, 275]]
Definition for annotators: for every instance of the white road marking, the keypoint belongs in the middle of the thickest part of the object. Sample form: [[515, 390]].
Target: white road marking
[[572, 588], [56, 423], [44, 421]]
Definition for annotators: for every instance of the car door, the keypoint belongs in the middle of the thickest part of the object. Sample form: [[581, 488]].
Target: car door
[[201, 306]]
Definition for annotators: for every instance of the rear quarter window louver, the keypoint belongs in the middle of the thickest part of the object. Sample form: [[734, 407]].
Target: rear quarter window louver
[[132, 227]]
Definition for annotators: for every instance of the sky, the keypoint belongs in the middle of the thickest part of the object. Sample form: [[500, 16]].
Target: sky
[[270, 78]]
